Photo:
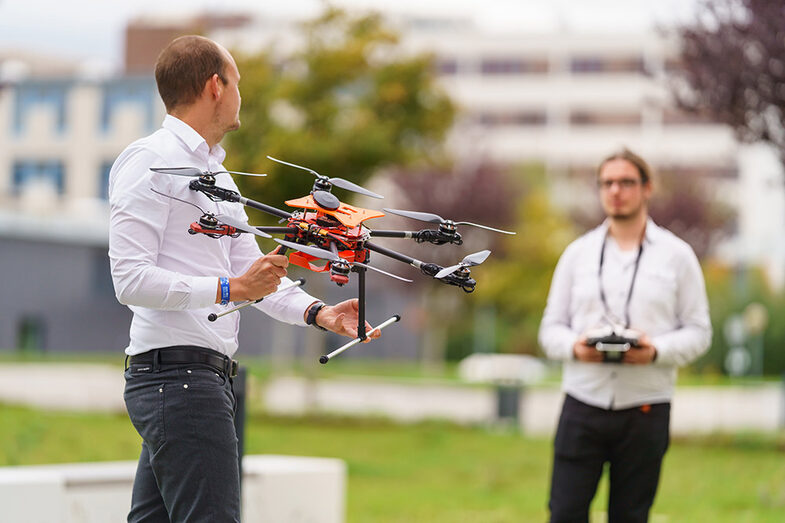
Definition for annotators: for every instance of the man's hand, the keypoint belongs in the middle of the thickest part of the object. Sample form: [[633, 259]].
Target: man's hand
[[342, 319], [587, 353], [261, 279], [643, 354]]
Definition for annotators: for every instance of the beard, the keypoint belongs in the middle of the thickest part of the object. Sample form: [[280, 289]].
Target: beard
[[626, 215]]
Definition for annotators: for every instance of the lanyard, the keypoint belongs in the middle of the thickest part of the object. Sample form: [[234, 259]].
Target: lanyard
[[632, 283]]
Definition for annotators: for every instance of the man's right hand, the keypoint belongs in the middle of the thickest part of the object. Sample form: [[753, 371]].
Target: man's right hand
[[261, 279], [587, 353]]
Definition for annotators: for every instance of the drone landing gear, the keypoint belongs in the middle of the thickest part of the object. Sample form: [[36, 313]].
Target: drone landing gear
[[327, 357], [361, 334], [296, 283]]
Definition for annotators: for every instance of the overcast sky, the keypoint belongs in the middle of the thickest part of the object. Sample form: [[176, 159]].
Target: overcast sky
[[93, 29]]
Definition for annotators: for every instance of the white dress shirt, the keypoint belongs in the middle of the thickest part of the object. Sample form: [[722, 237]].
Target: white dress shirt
[[166, 276], [668, 303]]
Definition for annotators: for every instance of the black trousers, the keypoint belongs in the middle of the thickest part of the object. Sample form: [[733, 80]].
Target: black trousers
[[632, 440], [188, 469]]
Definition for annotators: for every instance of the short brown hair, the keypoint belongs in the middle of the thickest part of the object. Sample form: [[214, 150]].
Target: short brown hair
[[625, 154], [184, 66]]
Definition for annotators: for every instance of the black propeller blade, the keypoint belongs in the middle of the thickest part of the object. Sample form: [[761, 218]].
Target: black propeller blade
[[194, 172], [435, 218], [469, 261], [338, 182]]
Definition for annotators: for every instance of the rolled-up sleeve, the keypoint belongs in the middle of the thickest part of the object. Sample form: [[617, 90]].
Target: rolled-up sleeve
[[137, 222]]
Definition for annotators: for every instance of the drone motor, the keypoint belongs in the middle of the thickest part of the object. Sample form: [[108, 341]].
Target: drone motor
[[339, 272], [209, 225]]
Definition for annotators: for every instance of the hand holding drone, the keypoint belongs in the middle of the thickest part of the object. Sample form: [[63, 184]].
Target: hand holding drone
[[322, 228]]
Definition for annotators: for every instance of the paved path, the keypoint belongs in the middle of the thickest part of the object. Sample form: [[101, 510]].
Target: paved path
[[92, 387]]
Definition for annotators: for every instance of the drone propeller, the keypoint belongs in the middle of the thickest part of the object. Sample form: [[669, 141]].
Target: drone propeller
[[331, 256], [240, 226], [181, 200], [470, 261], [435, 218], [194, 172], [338, 182]]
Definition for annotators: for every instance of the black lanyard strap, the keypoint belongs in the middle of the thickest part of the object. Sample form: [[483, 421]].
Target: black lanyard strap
[[632, 283]]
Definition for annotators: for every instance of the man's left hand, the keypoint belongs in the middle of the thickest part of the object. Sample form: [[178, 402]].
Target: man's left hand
[[342, 319], [643, 354]]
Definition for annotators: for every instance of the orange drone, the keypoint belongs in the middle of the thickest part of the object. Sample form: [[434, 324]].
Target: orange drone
[[324, 228]]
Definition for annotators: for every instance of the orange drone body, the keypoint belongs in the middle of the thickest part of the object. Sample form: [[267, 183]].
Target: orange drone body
[[348, 234], [347, 214]]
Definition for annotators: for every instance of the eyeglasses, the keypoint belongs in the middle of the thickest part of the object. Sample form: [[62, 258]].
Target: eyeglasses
[[624, 183]]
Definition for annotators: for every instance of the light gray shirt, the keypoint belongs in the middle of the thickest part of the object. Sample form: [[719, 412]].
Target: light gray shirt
[[668, 303], [166, 276]]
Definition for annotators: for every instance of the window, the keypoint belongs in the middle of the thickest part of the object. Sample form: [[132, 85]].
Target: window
[[139, 92], [679, 117], [28, 171], [595, 64], [32, 95], [446, 66], [520, 118], [30, 334], [499, 66], [582, 118], [103, 179]]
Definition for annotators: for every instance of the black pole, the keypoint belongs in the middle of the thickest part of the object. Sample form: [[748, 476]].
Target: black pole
[[361, 303], [239, 389]]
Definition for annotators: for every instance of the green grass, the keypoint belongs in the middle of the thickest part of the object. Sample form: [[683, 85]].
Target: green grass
[[439, 472]]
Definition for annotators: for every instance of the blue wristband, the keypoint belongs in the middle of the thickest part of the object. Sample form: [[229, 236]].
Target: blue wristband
[[224, 290]]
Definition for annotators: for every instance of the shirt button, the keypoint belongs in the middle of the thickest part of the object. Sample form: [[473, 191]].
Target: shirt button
[[188, 371], [185, 386]]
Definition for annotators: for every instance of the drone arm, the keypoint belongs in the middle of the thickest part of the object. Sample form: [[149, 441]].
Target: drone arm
[[392, 234], [429, 269], [394, 255], [214, 192], [266, 208]]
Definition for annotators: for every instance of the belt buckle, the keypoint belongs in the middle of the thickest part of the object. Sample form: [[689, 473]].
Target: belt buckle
[[232, 368]]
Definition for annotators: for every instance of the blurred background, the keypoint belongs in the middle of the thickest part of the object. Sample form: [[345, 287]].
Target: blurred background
[[495, 113]]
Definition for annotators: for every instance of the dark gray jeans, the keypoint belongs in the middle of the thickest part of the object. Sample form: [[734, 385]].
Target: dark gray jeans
[[188, 470]]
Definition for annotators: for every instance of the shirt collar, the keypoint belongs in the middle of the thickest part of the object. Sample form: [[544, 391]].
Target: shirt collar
[[192, 139], [651, 233]]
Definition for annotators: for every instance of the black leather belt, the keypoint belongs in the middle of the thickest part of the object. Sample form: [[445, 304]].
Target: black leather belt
[[183, 355]]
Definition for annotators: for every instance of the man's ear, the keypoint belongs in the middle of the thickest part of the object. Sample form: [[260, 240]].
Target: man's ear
[[647, 189], [214, 87]]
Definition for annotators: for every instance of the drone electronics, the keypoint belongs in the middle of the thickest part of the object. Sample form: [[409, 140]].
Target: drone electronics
[[322, 229]]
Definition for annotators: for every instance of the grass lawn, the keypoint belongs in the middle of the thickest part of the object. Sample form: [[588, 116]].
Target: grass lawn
[[439, 472]]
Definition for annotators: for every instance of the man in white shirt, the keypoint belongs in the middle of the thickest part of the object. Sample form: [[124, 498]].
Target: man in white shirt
[[178, 382], [631, 276]]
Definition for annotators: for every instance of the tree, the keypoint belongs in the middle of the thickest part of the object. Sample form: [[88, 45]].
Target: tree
[[346, 104], [517, 284], [733, 61], [480, 193]]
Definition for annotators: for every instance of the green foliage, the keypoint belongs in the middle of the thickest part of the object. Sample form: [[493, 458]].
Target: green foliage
[[517, 285], [730, 292], [347, 104]]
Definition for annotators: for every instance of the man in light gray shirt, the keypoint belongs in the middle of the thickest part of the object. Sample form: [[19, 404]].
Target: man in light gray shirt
[[628, 276]]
